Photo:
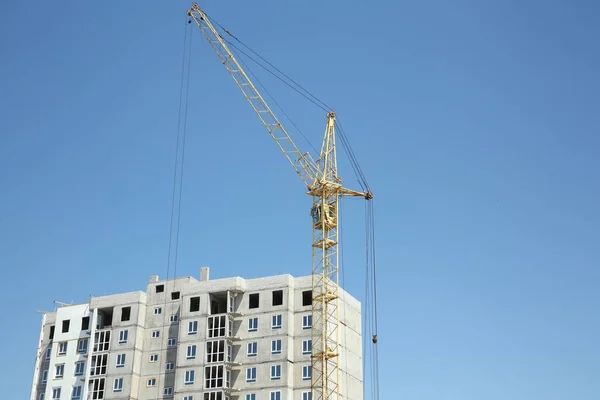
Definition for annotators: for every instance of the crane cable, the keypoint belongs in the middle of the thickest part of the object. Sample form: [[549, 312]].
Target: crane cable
[[268, 93], [177, 173], [293, 85], [298, 88], [370, 319]]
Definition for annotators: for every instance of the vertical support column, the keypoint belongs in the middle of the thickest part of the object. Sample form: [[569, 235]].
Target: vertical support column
[[88, 364]]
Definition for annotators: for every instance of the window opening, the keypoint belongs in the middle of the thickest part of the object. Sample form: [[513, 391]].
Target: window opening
[[125, 314], [307, 297], [253, 299], [277, 297], [194, 304]]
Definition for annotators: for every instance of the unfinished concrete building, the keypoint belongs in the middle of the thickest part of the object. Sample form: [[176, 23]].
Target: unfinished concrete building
[[189, 339]]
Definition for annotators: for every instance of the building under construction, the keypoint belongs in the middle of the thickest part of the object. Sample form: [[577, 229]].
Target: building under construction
[[190, 339]]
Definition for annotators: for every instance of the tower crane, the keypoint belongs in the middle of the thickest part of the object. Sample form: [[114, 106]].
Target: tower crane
[[324, 185]]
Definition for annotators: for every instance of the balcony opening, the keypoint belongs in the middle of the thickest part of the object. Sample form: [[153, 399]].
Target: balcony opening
[[105, 316], [218, 303]]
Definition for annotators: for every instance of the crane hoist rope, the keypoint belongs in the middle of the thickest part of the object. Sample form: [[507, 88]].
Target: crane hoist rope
[[178, 169], [324, 185]]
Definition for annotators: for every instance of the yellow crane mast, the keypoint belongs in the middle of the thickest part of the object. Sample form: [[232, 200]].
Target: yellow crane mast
[[325, 186]]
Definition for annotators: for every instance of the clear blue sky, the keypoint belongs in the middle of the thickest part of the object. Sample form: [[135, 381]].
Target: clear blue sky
[[475, 122]]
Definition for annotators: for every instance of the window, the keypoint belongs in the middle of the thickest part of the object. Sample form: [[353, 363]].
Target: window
[[153, 357], [62, 348], [82, 345], [306, 346], [51, 336], [307, 322], [160, 288], [157, 310], [188, 398], [307, 298], [120, 360], [306, 396], [118, 385], [276, 346], [192, 327], [306, 372], [191, 352], [171, 342], [215, 396], [213, 377], [125, 314], [45, 376], [102, 341], [56, 394], [174, 295], [97, 388], [275, 395], [65, 325], [85, 323], [76, 393], [251, 374], [155, 334], [253, 300], [277, 297], [189, 377], [168, 391], [194, 304], [99, 363], [79, 368], [41, 396], [123, 336], [215, 351], [173, 318], [151, 382], [216, 326], [253, 324], [251, 396], [252, 349], [60, 371], [276, 324], [170, 366], [48, 353], [275, 372]]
